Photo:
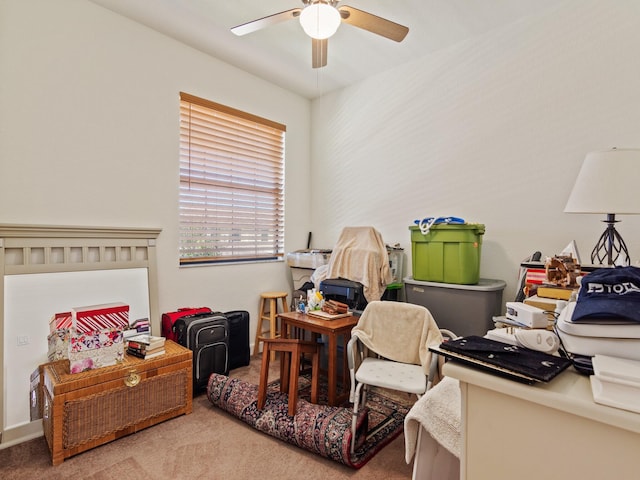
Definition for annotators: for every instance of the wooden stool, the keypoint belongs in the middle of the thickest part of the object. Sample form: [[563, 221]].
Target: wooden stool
[[290, 350], [270, 300]]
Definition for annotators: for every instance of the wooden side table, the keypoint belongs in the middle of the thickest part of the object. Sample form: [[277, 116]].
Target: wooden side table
[[88, 409], [333, 329], [290, 351]]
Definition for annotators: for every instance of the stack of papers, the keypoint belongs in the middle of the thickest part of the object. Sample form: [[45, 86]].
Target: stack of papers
[[616, 382], [328, 316], [146, 346]]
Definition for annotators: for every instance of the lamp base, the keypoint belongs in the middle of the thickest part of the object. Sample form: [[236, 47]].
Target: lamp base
[[610, 246]]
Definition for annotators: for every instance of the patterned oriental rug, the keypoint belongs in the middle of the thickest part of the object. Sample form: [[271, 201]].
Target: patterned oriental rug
[[321, 429]]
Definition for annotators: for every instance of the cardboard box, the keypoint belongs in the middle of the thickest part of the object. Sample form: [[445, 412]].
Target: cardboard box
[[60, 321], [88, 351], [58, 342], [90, 337], [100, 317]]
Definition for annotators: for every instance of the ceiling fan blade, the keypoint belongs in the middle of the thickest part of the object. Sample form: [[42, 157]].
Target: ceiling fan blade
[[373, 23], [263, 22], [319, 52]]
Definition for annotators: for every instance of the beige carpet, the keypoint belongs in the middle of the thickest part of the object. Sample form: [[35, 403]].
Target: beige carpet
[[208, 444]]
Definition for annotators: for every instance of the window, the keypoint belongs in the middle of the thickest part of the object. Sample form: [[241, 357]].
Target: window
[[231, 184]]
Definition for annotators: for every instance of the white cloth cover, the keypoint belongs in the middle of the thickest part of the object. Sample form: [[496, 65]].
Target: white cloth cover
[[360, 255], [438, 411], [398, 331]]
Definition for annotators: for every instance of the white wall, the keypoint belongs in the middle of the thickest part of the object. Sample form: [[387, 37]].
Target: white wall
[[55, 292], [493, 130], [89, 136]]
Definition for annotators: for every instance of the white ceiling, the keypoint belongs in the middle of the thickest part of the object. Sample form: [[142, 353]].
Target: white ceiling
[[281, 53]]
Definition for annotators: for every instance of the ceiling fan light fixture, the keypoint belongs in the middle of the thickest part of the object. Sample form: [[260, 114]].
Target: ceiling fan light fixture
[[320, 20]]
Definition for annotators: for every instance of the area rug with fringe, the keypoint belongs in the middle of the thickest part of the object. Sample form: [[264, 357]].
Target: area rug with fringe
[[321, 429]]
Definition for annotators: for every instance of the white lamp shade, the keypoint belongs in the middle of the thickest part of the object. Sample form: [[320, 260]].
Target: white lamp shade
[[320, 20], [608, 182]]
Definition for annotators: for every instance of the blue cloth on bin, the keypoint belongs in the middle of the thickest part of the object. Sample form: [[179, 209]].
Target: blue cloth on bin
[[436, 221], [426, 223]]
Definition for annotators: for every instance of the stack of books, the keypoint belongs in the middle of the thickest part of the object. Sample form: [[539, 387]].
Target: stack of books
[[146, 346], [555, 292], [616, 382], [139, 327], [548, 297]]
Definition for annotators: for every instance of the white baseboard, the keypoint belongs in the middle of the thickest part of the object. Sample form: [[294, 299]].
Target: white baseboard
[[16, 435]]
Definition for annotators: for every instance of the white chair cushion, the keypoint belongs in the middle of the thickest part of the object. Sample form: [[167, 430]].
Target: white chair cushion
[[394, 375]]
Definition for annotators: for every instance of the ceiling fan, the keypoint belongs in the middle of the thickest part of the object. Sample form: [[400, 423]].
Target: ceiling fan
[[320, 19]]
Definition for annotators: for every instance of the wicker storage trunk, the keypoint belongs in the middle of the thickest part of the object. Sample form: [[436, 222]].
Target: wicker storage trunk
[[84, 410]]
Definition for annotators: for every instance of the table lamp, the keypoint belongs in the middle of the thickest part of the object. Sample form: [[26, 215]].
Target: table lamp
[[608, 183]]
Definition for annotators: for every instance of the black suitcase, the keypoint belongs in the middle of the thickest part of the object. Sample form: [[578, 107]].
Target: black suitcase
[[239, 352], [207, 336]]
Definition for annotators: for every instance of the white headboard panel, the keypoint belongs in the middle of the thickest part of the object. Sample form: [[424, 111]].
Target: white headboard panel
[[29, 250]]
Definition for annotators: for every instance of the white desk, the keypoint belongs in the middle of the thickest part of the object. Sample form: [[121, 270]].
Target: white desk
[[546, 431]]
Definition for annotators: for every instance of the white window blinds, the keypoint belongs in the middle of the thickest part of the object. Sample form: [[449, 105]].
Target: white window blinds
[[231, 184]]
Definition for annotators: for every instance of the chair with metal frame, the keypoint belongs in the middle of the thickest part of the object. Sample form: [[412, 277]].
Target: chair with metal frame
[[389, 348]]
